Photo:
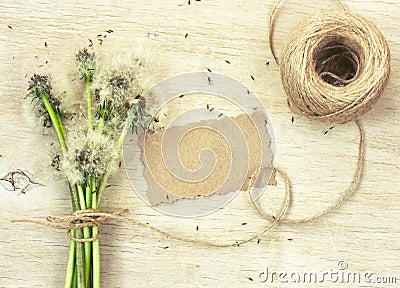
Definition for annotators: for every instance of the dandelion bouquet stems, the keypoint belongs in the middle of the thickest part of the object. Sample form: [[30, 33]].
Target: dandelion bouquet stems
[[91, 132]]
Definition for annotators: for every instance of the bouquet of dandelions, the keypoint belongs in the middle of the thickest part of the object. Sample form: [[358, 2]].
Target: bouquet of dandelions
[[108, 105]]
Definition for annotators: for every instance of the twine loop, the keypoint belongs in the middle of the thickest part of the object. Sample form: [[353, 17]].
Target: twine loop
[[78, 219], [335, 67]]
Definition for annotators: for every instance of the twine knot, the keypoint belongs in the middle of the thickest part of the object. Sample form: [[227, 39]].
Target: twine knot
[[78, 219]]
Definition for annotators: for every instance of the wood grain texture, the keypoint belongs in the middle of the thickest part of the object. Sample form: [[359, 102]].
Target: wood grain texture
[[364, 231]]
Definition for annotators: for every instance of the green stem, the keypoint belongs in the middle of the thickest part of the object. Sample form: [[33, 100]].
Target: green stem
[[100, 126], [56, 123], [102, 187], [74, 279], [70, 264], [88, 195], [122, 137], [96, 246], [73, 263], [86, 235], [89, 99], [80, 273], [61, 126], [81, 195], [79, 252], [104, 180], [78, 258]]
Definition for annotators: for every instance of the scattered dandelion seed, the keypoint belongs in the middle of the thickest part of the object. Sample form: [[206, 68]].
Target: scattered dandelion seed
[[56, 162]]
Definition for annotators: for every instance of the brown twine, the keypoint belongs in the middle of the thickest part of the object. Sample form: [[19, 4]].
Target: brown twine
[[334, 67], [77, 219], [90, 217], [355, 183]]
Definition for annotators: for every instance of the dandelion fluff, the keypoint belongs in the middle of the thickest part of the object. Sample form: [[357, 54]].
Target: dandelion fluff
[[68, 88], [119, 82], [90, 156]]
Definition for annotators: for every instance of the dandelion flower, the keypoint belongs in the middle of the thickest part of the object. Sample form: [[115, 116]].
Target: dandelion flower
[[119, 83], [39, 87], [87, 64], [90, 156]]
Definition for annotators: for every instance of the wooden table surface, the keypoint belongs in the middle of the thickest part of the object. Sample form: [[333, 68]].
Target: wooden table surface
[[364, 232]]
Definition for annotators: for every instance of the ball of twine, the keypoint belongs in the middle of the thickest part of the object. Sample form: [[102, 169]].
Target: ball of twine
[[335, 67]]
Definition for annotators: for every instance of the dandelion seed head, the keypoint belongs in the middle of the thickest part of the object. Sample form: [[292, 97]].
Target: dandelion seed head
[[39, 84], [39, 87], [87, 64], [90, 155], [119, 82]]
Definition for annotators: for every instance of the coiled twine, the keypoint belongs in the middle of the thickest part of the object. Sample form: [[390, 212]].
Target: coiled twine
[[335, 67]]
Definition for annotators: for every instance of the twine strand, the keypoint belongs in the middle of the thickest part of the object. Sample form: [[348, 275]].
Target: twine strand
[[90, 217], [355, 183], [271, 27]]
